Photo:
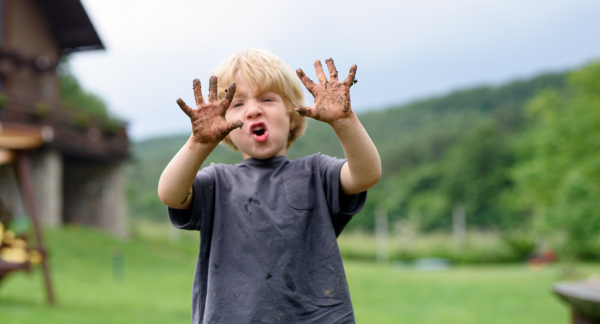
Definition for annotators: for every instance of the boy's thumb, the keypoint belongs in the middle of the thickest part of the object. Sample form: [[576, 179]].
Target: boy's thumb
[[186, 109], [304, 111], [233, 125]]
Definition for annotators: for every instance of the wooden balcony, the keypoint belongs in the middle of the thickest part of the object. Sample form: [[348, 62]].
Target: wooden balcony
[[72, 131]]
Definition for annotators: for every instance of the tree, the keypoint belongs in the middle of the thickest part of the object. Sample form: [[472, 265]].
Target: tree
[[559, 176]]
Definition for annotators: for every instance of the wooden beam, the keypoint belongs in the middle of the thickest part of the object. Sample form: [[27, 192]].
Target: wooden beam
[[20, 138], [20, 141], [26, 184], [6, 156]]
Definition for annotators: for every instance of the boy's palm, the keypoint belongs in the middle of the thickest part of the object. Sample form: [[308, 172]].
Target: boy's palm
[[332, 98], [208, 120]]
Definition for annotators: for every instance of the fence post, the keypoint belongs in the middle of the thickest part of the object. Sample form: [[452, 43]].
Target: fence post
[[459, 225]]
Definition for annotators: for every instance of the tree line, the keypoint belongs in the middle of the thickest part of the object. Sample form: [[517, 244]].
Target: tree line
[[523, 158]]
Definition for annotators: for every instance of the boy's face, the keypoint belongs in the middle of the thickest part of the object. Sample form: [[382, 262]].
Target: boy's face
[[266, 122]]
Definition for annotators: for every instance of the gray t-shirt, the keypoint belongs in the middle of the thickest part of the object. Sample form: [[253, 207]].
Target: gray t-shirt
[[268, 250]]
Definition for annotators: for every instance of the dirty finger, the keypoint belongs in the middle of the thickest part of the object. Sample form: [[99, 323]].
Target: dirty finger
[[333, 74], [212, 89], [186, 109], [308, 83], [350, 79], [233, 125], [198, 93], [320, 74], [305, 111], [228, 98]]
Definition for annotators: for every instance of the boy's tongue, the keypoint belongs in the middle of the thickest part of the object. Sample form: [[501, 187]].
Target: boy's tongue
[[260, 135], [261, 138]]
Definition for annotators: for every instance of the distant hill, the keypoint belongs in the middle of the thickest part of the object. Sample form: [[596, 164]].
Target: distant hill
[[433, 152]]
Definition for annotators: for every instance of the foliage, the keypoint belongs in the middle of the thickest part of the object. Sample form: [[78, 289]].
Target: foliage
[[476, 174], [4, 101], [559, 176], [112, 125], [73, 94], [41, 109], [81, 119], [481, 246], [84, 104], [451, 149]]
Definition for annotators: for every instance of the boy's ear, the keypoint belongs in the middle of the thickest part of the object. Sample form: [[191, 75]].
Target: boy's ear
[[292, 119]]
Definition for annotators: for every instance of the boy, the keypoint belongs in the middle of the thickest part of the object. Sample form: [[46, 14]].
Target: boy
[[268, 250]]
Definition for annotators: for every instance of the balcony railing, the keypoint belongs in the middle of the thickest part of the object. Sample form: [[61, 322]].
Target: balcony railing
[[70, 129]]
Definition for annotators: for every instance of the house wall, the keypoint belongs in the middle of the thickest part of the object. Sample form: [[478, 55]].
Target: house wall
[[9, 190], [94, 195], [47, 174], [28, 32]]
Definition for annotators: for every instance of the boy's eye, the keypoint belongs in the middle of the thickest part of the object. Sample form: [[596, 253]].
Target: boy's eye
[[267, 99], [238, 104]]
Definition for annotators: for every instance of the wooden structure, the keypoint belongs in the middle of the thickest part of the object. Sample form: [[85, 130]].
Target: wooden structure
[[68, 162], [584, 299], [8, 266], [76, 159]]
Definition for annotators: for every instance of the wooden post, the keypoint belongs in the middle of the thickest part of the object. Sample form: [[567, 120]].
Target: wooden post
[[459, 225], [24, 168], [381, 236]]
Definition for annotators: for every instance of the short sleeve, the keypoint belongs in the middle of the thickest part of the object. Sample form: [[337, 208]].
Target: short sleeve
[[202, 202], [341, 206]]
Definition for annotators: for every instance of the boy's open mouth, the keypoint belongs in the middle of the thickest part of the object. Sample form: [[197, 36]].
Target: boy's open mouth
[[259, 132]]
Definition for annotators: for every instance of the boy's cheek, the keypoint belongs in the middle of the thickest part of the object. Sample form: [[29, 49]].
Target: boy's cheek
[[231, 114], [236, 131]]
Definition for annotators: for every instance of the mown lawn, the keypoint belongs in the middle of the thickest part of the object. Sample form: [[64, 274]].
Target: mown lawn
[[156, 287]]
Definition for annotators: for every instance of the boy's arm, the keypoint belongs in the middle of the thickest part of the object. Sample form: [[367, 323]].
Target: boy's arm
[[175, 184], [209, 128], [362, 169]]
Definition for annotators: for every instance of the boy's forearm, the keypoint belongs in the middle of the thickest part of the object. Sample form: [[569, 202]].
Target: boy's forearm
[[363, 167], [174, 186], [332, 105]]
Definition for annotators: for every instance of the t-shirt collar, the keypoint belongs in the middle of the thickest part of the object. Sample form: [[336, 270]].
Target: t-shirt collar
[[267, 161]]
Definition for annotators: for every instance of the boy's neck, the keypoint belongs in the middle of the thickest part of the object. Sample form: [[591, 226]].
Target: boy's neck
[[246, 156]]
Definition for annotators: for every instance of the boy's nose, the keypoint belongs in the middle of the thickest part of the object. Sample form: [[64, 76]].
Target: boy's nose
[[254, 111]]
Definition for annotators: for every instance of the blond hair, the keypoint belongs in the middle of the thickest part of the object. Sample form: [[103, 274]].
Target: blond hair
[[263, 72]]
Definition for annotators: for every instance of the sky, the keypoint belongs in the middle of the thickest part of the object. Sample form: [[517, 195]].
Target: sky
[[404, 50]]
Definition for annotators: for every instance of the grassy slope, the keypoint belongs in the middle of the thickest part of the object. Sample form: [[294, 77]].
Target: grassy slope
[[158, 275]]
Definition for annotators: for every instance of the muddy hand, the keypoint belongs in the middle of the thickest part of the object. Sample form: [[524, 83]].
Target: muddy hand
[[332, 98], [208, 120]]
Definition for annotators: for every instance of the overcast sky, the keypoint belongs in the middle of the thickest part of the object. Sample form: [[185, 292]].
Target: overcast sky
[[404, 50]]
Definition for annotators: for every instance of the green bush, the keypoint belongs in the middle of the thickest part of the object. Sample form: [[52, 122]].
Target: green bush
[[41, 109], [4, 100], [81, 120], [481, 247], [84, 104], [111, 125]]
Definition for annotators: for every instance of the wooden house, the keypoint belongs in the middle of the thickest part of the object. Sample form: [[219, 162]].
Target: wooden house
[[77, 159]]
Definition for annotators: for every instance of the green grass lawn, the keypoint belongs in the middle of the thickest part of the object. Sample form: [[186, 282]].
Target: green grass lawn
[[156, 287]]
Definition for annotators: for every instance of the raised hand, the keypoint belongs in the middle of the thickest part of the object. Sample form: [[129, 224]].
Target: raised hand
[[332, 98], [208, 120]]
